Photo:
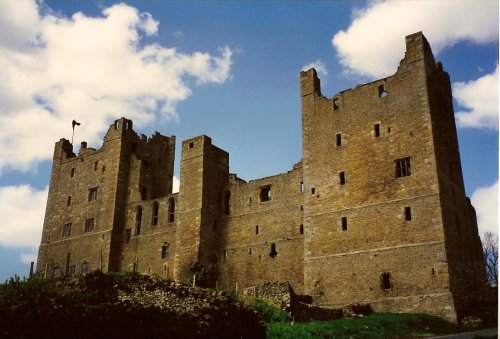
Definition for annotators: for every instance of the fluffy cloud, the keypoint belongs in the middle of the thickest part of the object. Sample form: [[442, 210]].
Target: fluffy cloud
[[22, 209], [485, 201], [480, 97], [320, 67], [372, 46], [93, 69]]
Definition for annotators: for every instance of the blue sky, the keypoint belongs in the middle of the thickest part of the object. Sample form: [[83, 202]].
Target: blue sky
[[229, 70]]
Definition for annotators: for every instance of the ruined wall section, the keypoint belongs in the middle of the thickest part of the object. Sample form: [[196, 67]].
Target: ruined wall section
[[263, 232], [371, 192]]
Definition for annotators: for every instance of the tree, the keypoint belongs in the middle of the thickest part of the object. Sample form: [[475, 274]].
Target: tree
[[490, 251]]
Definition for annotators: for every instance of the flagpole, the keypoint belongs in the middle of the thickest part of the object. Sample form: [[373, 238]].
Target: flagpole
[[74, 123]]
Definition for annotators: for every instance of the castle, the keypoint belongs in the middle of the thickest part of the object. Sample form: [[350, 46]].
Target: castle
[[375, 212]]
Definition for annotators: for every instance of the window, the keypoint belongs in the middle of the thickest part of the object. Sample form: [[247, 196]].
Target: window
[[68, 201], [344, 223], [376, 130], [66, 230], [403, 168], [339, 139], [256, 229], [273, 252], [56, 272], [301, 229], [72, 174], [72, 270], [85, 268], [227, 202], [93, 194], [171, 210], [265, 193], [89, 225], [128, 234], [342, 178], [164, 251], [301, 186], [313, 190], [385, 281], [335, 104], [138, 220], [382, 92], [407, 213], [144, 193], [154, 219], [96, 164]]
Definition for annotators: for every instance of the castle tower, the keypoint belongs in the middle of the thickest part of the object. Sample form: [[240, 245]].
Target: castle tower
[[385, 214], [204, 175]]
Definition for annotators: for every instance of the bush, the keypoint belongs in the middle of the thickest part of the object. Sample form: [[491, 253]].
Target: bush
[[270, 313]]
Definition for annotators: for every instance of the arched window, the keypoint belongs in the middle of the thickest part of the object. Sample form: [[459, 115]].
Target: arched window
[[138, 220], [154, 219], [227, 202], [171, 210]]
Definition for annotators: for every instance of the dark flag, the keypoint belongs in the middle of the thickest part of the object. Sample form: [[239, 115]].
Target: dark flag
[[74, 123]]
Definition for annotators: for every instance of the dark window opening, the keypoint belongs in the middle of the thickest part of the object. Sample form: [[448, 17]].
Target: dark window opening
[[273, 252], [164, 251], [66, 230], [144, 193], [103, 168], [89, 225], [385, 280], [376, 130], [313, 190], [382, 92], [336, 104], [403, 167], [344, 223], [72, 270], [128, 235], [301, 207], [138, 220], [250, 251], [56, 272], [227, 202], [117, 124], [92, 194], [171, 210], [433, 271], [191, 145], [301, 229], [389, 130], [72, 174], [96, 165], [342, 178], [265, 193], [301, 186], [68, 201], [256, 229], [407, 213], [85, 268], [339, 139], [154, 219]]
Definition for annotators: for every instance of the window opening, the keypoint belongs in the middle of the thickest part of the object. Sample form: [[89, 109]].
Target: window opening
[[85, 268], [92, 194], [403, 167], [376, 130], [171, 210], [382, 92], [265, 193], [138, 220], [128, 235], [227, 202], [164, 251], [342, 178], [56, 272], [191, 145], [96, 164], [144, 193], [336, 104], [68, 201], [273, 252], [339, 139], [385, 280], [256, 229], [72, 174], [313, 190], [344, 223], [72, 270], [66, 230], [301, 229], [407, 213], [89, 225], [302, 186], [154, 219]]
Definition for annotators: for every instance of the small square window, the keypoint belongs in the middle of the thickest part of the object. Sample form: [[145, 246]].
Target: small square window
[[376, 130], [56, 272], [92, 194], [265, 193], [66, 230], [344, 223], [407, 213], [85, 268], [89, 225], [339, 139], [382, 92], [191, 145], [164, 251], [342, 178], [403, 167], [72, 270], [385, 281]]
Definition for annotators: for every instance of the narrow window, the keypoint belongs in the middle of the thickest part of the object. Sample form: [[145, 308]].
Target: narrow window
[[92, 194], [164, 251], [89, 225], [171, 210], [376, 130], [227, 202], [403, 167], [191, 145], [342, 178], [339, 139], [138, 220], [56, 272], [385, 281], [265, 193], [72, 270], [273, 252], [128, 234], [382, 92], [96, 164], [313, 190], [144, 193], [336, 104], [85, 268], [72, 174], [68, 201], [66, 230], [407, 213], [301, 229], [256, 229], [301, 186], [433, 271], [344, 223], [154, 219]]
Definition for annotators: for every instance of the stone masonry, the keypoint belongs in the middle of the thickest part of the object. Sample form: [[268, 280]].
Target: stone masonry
[[375, 212]]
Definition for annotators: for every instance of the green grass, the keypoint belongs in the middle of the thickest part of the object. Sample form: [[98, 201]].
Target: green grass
[[376, 325]]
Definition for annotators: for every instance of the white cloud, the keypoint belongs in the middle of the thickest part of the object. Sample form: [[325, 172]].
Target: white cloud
[[373, 44], [320, 67], [175, 185], [485, 201], [480, 98], [22, 209], [27, 258], [93, 69]]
